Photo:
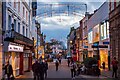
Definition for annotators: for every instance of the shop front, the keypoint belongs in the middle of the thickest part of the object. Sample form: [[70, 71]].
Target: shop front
[[104, 57], [12, 54], [27, 62], [18, 50]]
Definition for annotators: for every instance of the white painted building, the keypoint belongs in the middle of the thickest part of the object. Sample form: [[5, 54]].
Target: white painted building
[[18, 13]]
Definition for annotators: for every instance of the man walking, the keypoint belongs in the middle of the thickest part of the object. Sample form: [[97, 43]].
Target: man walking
[[114, 67], [35, 67], [41, 70], [57, 64], [45, 68], [9, 71], [73, 69]]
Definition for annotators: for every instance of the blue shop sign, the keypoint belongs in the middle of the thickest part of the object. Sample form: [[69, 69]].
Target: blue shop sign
[[106, 42], [85, 46]]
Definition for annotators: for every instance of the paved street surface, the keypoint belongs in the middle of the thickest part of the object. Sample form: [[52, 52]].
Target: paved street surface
[[63, 73]]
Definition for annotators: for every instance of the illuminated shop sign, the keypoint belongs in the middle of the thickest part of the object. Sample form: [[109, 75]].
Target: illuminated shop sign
[[15, 48]]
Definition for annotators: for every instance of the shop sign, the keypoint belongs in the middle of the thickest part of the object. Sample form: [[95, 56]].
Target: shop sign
[[99, 46], [15, 48], [85, 46], [106, 42]]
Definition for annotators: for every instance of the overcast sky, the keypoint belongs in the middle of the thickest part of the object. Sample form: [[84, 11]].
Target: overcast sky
[[57, 25]]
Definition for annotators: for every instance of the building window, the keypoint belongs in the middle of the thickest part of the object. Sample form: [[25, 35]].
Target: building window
[[26, 15], [112, 5], [26, 32], [9, 2], [14, 24], [9, 22], [117, 2], [96, 33], [19, 7], [23, 12], [107, 23], [18, 27], [90, 36], [15, 4], [23, 30]]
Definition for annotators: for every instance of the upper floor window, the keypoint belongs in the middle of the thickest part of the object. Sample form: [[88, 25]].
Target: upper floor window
[[23, 30], [26, 15], [19, 6], [23, 12], [26, 32], [9, 2], [9, 22], [15, 4], [18, 27], [14, 24], [117, 2]]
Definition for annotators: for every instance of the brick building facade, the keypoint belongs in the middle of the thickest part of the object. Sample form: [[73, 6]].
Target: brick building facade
[[1, 40], [114, 20]]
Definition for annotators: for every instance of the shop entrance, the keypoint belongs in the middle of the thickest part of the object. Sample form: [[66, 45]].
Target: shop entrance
[[104, 57]]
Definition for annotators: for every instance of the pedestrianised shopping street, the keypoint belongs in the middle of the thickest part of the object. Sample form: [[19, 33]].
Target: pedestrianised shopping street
[[60, 39]]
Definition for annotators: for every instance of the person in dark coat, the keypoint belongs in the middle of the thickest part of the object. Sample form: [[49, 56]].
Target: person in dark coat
[[57, 64], [9, 71], [59, 60], [41, 70], [68, 62], [45, 68], [35, 67], [114, 67], [103, 64], [98, 71]]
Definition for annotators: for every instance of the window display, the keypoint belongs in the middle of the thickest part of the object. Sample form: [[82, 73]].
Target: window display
[[96, 33], [107, 29], [90, 36], [104, 30]]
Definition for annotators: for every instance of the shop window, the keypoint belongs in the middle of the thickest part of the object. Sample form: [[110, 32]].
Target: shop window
[[96, 33], [103, 31], [107, 29]]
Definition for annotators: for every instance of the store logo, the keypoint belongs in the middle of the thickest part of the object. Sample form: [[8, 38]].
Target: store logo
[[15, 48]]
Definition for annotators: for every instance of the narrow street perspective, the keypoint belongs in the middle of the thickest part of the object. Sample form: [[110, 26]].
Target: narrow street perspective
[[63, 73], [59, 39]]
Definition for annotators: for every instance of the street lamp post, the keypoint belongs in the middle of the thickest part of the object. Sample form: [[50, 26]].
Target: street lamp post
[[44, 44], [38, 27]]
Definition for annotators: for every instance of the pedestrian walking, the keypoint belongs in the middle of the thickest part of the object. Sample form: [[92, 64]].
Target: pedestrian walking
[[9, 71], [68, 62], [41, 70], [97, 71], [35, 70], [103, 65], [59, 60], [114, 67], [73, 69], [45, 68], [57, 64]]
